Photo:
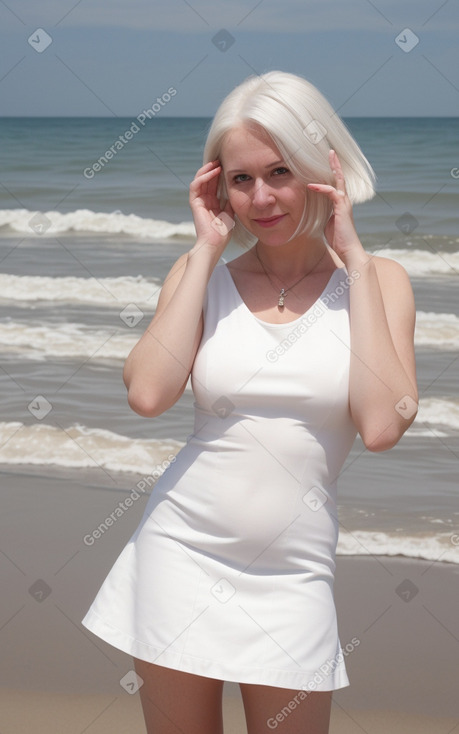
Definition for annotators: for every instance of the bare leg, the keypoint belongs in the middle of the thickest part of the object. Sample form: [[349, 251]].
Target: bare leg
[[291, 712], [179, 703]]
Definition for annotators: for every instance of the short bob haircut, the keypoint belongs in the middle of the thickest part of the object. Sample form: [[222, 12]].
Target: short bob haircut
[[303, 126]]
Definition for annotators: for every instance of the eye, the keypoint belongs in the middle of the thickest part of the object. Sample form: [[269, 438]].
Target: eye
[[241, 178], [280, 171]]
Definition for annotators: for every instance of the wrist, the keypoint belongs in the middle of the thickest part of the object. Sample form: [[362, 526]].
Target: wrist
[[203, 252]]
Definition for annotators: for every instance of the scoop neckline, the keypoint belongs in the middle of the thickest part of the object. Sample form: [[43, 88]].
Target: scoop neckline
[[286, 323]]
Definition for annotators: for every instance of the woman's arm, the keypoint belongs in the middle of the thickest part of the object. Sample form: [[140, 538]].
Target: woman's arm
[[382, 391], [157, 369]]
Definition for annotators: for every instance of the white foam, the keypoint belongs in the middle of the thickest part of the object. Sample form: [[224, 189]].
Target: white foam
[[439, 330], [48, 339], [78, 447], [436, 417], [81, 447], [422, 263], [84, 220], [442, 547], [65, 341], [116, 292], [39, 224]]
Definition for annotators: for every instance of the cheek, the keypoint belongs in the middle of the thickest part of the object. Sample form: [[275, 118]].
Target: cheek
[[294, 196], [239, 200]]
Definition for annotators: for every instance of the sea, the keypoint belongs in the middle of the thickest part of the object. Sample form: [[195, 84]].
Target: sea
[[94, 211]]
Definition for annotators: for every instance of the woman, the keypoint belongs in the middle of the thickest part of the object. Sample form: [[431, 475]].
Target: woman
[[293, 347]]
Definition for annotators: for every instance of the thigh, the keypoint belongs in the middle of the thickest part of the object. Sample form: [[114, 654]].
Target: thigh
[[179, 703], [289, 711]]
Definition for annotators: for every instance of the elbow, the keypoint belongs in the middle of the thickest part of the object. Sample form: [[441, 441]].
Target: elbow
[[381, 443], [141, 401], [150, 403], [143, 404], [385, 439]]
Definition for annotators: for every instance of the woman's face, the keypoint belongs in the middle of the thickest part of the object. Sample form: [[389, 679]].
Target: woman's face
[[263, 192]]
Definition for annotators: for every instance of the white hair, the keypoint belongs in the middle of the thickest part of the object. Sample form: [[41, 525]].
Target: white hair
[[303, 126]]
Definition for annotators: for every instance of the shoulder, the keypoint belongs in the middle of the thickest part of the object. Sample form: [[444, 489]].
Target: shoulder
[[392, 276], [387, 268]]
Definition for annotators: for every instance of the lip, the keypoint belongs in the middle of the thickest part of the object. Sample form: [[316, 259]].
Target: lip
[[269, 221]]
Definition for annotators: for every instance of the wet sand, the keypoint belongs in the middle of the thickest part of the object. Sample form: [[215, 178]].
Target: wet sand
[[55, 676]]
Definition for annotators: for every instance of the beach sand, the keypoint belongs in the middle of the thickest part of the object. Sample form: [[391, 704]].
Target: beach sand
[[399, 618]]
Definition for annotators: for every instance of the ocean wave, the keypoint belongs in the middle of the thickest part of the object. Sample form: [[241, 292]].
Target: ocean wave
[[440, 330], [100, 291], [65, 341], [46, 339], [436, 547], [418, 262], [81, 447], [421, 263], [84, 220], [78, 447], [436, 417]]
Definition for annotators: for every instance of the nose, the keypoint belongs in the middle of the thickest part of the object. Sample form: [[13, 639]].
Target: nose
[[263, 195]]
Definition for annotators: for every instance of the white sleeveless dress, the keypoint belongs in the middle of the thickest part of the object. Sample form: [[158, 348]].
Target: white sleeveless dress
[[230, 572]]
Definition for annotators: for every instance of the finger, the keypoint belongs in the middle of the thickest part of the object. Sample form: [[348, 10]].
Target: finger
[[337, 171], [206, 175], [207, 167], [333, 192], [201, 179]]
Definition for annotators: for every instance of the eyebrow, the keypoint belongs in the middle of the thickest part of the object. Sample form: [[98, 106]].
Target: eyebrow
[[270, 165]]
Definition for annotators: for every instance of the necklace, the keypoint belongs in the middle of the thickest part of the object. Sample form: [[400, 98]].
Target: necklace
[[284, 291]]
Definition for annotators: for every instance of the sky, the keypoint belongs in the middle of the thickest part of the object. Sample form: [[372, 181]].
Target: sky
[[106, 58]]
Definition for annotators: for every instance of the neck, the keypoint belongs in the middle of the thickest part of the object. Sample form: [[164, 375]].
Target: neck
[[293, 259]]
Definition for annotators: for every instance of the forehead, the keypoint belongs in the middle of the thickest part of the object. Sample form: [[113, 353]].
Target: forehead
[[247, 144]]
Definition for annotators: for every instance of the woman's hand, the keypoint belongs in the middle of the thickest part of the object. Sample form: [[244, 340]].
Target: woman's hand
[[213, 226], [340, 230]]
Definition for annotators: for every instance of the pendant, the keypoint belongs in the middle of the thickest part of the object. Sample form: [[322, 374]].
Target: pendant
[[280, 302]]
